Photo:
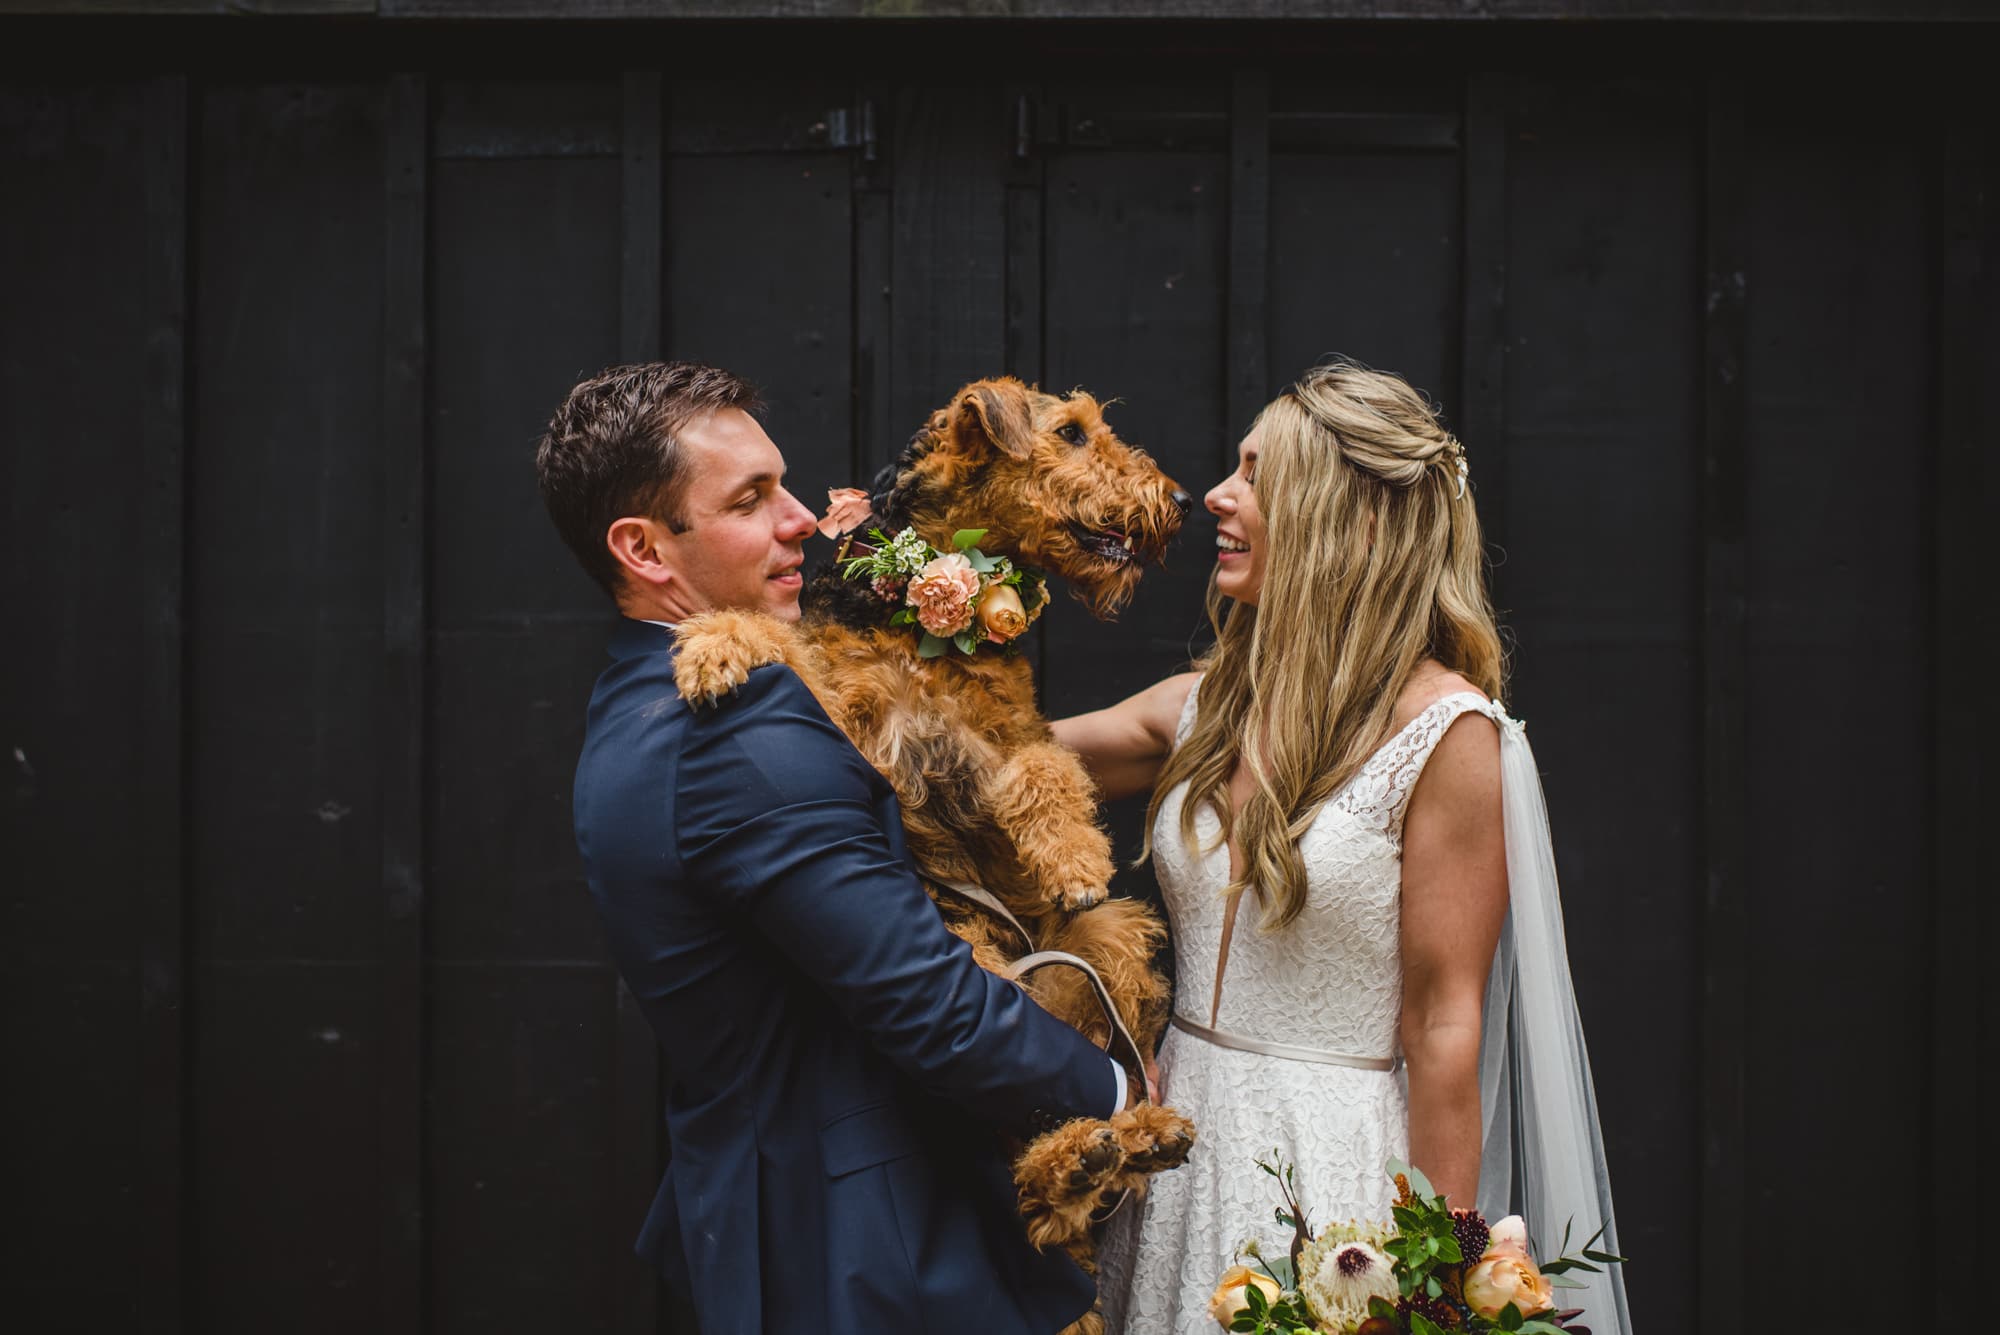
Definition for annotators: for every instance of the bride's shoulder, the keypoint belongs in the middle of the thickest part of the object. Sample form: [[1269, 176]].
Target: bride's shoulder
[[1165, 702], [1430, 683]]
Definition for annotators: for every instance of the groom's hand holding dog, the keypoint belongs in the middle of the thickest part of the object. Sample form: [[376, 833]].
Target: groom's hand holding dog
[[749, 867]]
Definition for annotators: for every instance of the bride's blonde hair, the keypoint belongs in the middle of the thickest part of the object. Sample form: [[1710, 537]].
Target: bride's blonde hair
[[1373, 564]]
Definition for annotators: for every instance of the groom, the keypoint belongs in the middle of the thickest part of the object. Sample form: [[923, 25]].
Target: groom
[[825, 1037]]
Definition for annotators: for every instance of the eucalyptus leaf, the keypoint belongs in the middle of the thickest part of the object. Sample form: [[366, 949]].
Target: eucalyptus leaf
[[980, 560], [967, 537], [1433, 1288], [1563, 1281], [904, 617], [931, 646], [967, 642], [1542, 1328], [1510, 1317]]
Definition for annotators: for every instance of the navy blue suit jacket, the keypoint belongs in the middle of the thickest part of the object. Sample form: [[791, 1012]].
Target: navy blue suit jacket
[[830, 1048]]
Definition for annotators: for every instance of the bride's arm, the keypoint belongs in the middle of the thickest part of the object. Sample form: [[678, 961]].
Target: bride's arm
[[1124, 746], [1454, 902]]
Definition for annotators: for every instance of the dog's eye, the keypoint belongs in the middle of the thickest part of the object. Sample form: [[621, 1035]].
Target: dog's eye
[[1072, 433]]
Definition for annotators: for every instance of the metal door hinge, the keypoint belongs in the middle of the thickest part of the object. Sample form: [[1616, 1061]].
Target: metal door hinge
[[850, 127]]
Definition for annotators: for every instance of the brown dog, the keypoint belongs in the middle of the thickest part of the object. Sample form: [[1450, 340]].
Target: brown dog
[[987, 796]]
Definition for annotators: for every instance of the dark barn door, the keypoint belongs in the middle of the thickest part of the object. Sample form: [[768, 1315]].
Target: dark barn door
[[308, 1022]]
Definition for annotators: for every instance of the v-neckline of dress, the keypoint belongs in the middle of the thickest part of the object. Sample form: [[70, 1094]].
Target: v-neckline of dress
[[1233, 903]]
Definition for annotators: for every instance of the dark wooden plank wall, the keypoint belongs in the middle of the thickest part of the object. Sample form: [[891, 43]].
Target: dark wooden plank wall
[[306, 1011]]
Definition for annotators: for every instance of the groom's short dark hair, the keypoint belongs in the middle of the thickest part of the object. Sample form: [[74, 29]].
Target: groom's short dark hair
[[613, 449]]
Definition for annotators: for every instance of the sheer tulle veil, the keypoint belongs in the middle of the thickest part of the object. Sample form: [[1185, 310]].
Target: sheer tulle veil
[[1543, 1156]]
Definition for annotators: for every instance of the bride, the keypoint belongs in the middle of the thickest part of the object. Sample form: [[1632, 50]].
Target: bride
[[1349, 837]]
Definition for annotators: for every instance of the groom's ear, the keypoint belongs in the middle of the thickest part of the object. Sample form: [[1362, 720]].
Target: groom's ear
[[639, 545]]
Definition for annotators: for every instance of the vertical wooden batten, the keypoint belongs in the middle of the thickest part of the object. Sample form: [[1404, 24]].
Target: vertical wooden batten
[[1959, 628], [1482, 393], [1246, 370], [873, 437], [638, 1128], [162, 1213], [1724, 493], [405, 575], [1022, 354]]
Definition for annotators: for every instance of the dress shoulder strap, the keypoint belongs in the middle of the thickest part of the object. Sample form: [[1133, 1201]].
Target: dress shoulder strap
[[1188, 711], [1385, 783]]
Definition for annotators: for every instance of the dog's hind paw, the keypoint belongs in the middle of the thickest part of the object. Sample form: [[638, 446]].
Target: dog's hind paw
[[1062, 1176], [718, 650]]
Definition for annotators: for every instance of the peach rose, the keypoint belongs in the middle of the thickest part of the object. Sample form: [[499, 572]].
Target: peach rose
[[1229, 1296], [1001, 615], [846, 509], [942, 593], [1508, 1237], [1506, 1278]]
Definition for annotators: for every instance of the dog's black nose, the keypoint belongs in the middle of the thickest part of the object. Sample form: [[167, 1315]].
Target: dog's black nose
[[1183, 500]]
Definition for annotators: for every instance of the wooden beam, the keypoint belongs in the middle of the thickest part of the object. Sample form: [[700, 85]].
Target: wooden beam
[[1247, 372], [405, 473], [1735, 12], [1725, 703], [162, 1109]]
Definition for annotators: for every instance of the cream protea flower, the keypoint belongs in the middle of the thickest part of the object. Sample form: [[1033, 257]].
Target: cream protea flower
[[1341, 1269]]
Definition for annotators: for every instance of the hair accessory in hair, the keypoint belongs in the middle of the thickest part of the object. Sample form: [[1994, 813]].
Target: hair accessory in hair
[[1464, 473]]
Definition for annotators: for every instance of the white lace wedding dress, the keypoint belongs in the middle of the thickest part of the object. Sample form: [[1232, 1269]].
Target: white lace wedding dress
[[1331, 983]]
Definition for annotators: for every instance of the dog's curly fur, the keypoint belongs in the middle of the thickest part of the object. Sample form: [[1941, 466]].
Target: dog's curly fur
[[987, 795]]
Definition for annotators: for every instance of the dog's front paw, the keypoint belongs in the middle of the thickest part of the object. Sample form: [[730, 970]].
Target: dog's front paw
[[1153, 1139], [718, 650], [1076, 898]]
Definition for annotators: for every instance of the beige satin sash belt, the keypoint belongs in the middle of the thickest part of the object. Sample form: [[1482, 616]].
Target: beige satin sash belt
[[1283, 1050]]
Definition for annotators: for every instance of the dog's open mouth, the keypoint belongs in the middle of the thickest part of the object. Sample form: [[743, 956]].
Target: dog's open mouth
[[1108, 544]]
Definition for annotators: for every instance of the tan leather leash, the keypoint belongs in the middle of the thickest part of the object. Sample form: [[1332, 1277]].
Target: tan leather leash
[[1040, 959]]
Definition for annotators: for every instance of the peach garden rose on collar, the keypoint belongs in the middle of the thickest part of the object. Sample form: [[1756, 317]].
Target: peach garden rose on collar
[[942, 592]]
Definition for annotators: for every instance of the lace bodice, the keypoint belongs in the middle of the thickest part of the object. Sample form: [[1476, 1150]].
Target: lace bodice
[[1332, 979]]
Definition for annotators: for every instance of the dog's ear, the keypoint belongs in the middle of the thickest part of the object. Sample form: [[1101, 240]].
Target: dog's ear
[[994, 415]]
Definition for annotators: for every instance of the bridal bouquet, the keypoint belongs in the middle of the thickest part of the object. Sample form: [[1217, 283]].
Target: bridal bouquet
[[1431, 1271]]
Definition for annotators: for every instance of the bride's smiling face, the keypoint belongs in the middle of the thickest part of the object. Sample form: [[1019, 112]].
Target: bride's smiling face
[[1239, 533]]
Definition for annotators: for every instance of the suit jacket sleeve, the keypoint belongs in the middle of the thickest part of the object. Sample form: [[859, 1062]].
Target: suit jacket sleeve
[[777, 820]]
